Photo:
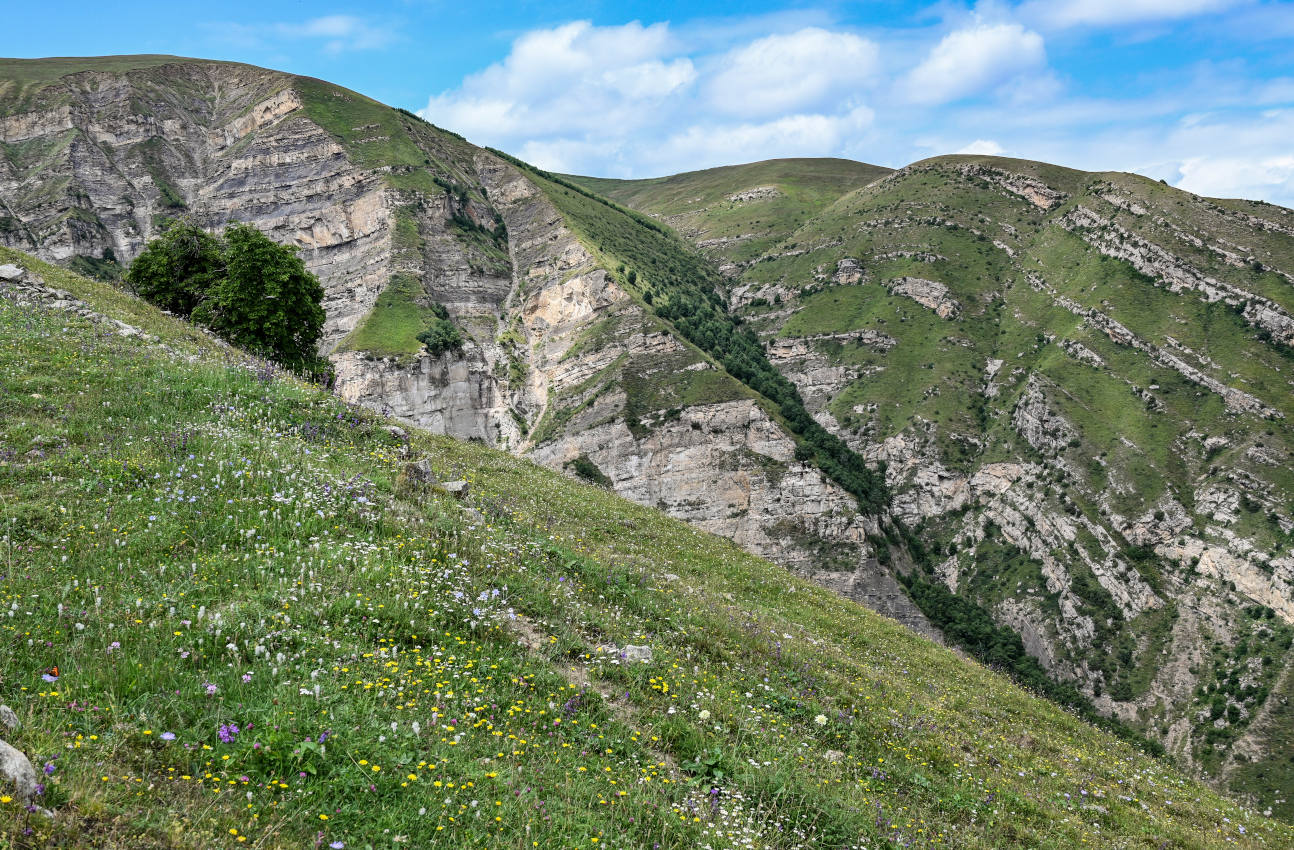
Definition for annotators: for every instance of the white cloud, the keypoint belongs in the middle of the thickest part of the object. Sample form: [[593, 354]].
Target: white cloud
[[1230, 177], [1236, 155], [792, 135], [984, 147], [792, 72], [629, 98], [973, 60], [1070, 13], [572, 79]]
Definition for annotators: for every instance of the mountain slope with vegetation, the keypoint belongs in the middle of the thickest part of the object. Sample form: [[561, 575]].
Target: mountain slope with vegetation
[[272, 629], [1075, 386], [736, 212], [1080, 385]]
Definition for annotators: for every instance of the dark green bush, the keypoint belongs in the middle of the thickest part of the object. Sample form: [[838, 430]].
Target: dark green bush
[[247, 288], [442, 336]]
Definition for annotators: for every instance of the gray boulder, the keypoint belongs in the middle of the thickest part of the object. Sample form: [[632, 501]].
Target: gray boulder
[[8, 717], [641, 654], [419, 472], [458, 489], [16, 771], [11, 272]]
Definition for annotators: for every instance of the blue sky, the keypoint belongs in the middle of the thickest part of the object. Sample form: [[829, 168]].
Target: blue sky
[[1197, 92]]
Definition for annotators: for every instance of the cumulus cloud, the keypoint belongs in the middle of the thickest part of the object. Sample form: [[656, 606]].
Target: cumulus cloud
[[792, 135], [1070, 13], [575, 78], [617, 98], [1242, 155], [984, 147], [799, 70], [973, 60], [1229, 176]]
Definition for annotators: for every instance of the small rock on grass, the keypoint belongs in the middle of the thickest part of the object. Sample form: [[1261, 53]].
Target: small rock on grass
[[8, 717], [457, 489], [16, 771], [637, 653], [419, 472]]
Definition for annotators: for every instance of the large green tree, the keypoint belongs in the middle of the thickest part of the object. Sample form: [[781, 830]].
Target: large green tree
[[266, 302], [247, 288], [177, 269]]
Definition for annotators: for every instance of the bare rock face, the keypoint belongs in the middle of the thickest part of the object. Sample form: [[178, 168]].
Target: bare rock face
[[1041, 427], [444, 394], [1031, 189], [927, 293]]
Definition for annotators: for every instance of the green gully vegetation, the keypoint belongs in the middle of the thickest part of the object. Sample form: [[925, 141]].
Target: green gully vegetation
[[442, 335], [685, 290], [268, 633]]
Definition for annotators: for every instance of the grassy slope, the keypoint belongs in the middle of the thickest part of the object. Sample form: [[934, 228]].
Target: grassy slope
[[697, 202], [203, 544], [935, 373]]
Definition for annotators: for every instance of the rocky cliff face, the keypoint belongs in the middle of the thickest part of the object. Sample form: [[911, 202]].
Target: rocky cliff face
[[559, 362]]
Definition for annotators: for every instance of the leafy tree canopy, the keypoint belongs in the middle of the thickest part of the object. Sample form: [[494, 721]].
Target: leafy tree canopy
[[247, 288]]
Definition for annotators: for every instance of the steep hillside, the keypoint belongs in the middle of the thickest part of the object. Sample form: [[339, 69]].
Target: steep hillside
[[737, 212], [1080, 386], [271, 628], [564, 361]]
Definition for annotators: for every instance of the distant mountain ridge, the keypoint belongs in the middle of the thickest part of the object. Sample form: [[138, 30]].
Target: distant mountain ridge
[[1077, 384]]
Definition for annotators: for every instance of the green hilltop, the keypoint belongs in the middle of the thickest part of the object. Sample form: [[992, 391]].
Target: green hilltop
[[701, 204]]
